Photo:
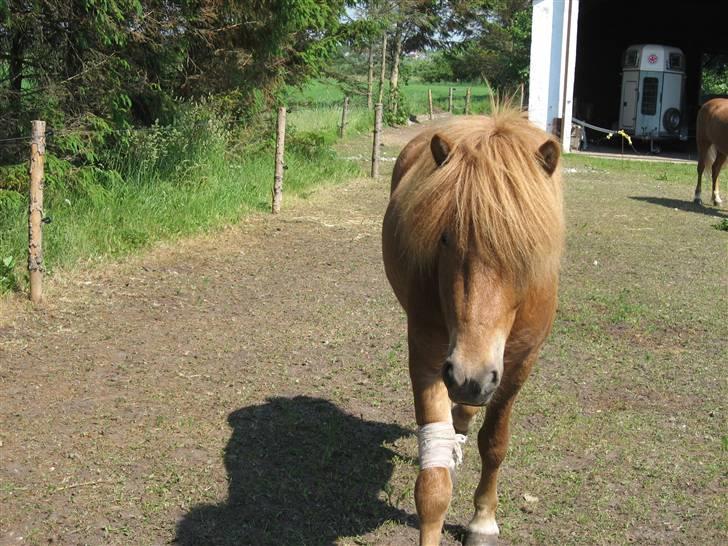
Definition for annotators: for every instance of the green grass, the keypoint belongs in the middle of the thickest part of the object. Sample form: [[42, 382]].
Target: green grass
[[326, 121], [319, 94], [416, 95], [661, 171]]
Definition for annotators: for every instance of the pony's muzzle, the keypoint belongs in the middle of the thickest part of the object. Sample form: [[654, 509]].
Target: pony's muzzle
[[472, 391]]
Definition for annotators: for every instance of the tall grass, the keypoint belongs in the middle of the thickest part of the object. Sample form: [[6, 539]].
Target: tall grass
[[163, 184], [326, 121]]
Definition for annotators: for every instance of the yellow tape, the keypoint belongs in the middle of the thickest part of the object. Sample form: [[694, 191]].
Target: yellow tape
[[623, 135]]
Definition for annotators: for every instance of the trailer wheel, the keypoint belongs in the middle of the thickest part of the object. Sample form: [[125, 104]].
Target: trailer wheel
[[671, 119]]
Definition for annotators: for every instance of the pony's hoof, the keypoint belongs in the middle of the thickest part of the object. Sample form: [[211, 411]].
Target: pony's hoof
[[480, 539], [697, 200], [717, 201]]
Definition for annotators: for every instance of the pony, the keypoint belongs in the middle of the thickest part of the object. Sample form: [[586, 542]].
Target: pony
[[472, 242], [712, 140]]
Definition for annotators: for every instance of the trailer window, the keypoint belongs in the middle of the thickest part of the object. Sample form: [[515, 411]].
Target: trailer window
[[630, 58], [649, 96], [675, 61]]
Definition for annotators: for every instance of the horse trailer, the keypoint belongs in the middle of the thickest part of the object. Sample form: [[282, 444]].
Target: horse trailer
[[653, 93]]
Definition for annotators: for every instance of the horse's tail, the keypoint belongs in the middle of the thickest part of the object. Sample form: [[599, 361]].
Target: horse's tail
[[709, 158]]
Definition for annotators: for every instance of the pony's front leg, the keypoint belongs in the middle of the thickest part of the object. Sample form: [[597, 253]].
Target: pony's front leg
[[492, 443], [433, 488], [462, 415]]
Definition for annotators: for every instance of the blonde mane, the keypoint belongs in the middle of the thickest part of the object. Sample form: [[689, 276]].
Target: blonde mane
[[491, 196]]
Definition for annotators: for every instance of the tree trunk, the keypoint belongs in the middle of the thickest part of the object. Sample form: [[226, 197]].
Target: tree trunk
[[15, 73], [394, 74], [384, 67], [370, 78]]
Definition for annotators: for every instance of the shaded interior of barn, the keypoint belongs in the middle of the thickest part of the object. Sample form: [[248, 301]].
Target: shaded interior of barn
[[608, 27]]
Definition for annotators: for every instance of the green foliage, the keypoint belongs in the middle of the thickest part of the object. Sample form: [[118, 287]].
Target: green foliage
[[714, 77], [8, 279], [79, 65], [435, 68], [398, 109], [722, 225], [496, 44]]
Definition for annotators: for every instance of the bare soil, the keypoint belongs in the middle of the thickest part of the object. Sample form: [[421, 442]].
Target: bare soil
[[249, 386]]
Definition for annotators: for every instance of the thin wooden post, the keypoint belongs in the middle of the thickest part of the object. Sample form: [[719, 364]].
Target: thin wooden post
[[467, 101], [449, 100], [523, 92], [280, 145], [429, 101], [35, 210], [344, 116], [376, 145]]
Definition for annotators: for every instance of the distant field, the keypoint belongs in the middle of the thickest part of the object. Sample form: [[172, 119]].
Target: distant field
[[327, 93]]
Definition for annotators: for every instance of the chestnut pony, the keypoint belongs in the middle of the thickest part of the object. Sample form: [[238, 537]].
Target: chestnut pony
[[712, 140], [472, 241]]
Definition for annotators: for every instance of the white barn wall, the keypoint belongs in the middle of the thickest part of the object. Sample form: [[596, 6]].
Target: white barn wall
[[569, 67], [549, 64]]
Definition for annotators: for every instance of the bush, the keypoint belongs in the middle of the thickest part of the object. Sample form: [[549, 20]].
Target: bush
[[437, 68], [403, 112]]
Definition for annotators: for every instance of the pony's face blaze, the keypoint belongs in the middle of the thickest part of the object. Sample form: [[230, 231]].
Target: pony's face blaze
[[479, 309]]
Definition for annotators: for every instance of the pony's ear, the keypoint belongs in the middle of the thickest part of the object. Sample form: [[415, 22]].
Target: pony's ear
[[548, 156], [440, 148]]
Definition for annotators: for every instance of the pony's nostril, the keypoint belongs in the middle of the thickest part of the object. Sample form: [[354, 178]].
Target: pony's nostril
[[494, 376], [448, 374]]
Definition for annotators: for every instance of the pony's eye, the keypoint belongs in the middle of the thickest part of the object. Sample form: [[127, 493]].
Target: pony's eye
[[444, 240]]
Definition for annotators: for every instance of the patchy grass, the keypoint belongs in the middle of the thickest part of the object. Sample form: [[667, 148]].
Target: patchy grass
[[656, 170]]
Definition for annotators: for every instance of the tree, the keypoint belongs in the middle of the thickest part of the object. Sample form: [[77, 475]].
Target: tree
[[126, 61], [489, 39]]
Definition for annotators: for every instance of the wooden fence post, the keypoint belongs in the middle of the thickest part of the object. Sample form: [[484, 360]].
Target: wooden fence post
[[467, 101], [376, 145], [280, 144], [523, 91], [35, 210], [344, 116], [449, 100], [429, 101]]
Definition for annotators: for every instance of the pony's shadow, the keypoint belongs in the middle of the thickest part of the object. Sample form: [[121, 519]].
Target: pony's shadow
[[683, 205], [300, 471]]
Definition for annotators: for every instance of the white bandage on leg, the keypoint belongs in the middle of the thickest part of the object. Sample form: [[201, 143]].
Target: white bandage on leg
[[440, 446]]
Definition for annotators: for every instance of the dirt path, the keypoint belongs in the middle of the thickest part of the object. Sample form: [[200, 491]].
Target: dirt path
[[250, 387], [117, 393]]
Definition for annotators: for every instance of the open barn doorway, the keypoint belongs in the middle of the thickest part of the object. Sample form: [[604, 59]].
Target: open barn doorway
[[607, 29]]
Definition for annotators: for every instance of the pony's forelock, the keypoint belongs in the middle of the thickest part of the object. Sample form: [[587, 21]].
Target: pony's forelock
[[491, 196]]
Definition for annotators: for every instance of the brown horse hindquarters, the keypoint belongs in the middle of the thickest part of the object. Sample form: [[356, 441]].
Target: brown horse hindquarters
[[712, 143]]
